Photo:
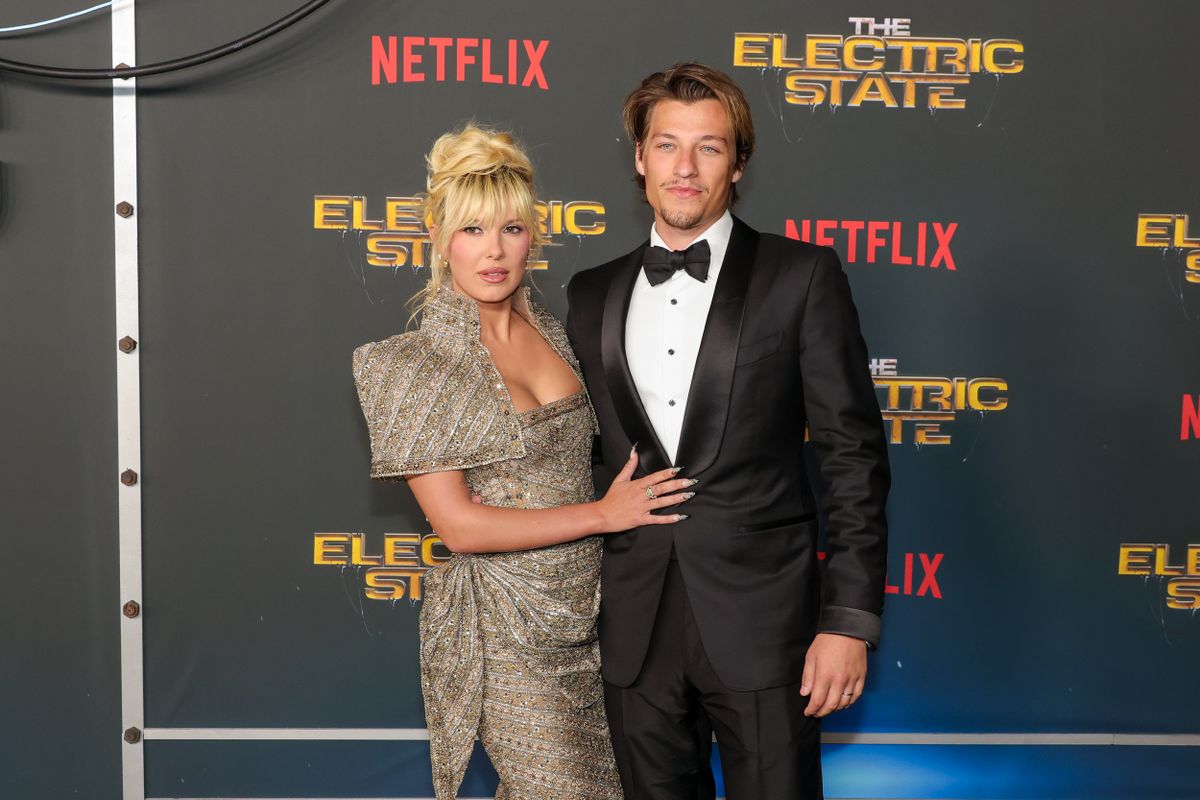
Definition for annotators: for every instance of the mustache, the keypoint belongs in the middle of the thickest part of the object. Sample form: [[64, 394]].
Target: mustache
[[683, 185]]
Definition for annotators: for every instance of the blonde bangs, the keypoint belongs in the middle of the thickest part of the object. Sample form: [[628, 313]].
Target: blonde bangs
[[488, 199]]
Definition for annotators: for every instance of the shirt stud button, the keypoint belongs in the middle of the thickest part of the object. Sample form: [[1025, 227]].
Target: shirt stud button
[[670, 352], [674, 302], [670, 402]]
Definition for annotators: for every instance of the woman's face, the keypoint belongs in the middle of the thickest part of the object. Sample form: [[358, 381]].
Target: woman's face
[[487, 262]]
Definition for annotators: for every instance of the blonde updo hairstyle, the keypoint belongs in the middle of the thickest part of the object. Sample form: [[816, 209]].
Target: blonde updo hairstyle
[[475, 174]]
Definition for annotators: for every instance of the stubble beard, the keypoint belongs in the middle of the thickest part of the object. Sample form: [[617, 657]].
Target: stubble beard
[[681, 220]]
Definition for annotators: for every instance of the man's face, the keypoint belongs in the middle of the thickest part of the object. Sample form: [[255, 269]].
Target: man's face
[[688, 159]]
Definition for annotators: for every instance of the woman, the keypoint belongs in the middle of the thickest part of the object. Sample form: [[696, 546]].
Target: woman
[[486, 399]]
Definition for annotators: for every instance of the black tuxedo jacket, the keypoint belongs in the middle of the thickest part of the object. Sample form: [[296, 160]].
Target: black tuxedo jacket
[[781, 348]]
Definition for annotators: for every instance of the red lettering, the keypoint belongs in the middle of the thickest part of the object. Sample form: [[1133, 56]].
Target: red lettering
[[1189, 425], [874, 241], [461, 59], [512, 62], [383, 64], [488, 75], [943, 251], [853, 227], [411, 59], [441, 44], [823, 228], [877, 238], [929, 582], [896, 257], [534, 73]]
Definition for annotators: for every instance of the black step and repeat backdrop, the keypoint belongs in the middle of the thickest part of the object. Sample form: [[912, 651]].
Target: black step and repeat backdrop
[[1008, 184]]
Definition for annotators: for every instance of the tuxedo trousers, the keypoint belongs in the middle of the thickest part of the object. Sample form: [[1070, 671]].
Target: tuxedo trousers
[[661, 724]]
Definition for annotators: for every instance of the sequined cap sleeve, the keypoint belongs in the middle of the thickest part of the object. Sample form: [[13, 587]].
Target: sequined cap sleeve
[[429, 407]]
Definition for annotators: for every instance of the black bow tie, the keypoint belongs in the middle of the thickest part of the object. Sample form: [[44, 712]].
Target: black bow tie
[[661, 263]]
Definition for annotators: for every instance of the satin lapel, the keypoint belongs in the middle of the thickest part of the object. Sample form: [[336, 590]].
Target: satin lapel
[[712, 380], [621, 388]]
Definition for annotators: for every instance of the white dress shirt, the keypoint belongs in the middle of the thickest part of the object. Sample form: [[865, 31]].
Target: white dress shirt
[[663, 332]]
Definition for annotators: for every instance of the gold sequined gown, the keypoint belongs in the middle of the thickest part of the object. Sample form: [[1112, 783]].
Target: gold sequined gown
[[509, 652], [508, 640]]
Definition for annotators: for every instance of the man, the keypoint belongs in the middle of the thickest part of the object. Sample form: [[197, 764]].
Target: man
[[711, 347]]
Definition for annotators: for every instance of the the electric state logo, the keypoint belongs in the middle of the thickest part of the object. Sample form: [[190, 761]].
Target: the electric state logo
[[925, 404], [399, 237], [393, 572], [1181, 580], [416, 59], [881, 63], [1170, 232]]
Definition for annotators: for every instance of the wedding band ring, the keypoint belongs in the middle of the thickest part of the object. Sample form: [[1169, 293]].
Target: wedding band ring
[[650, 493], [847, 694]]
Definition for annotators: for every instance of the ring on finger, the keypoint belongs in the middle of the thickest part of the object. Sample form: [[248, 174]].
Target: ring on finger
[[650, 493]]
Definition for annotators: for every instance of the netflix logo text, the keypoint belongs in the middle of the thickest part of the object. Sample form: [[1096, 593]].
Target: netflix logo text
[[416, 59], [921, 244]]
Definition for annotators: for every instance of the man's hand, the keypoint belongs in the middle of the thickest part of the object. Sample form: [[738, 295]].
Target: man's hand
[[834, 672]]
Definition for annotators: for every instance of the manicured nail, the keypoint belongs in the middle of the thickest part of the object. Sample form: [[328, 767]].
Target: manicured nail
[[692, 481], [633, 450], [676, 470], [688, 495], [681, 517]]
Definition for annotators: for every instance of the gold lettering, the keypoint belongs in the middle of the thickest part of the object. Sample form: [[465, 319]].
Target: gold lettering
[[1181, 239], [943, 97], [977, 385], [1183, 595], [1154, 225], [1134, 559], [329, 549], [821, 52], [358, 216], [749, 49], [572, 212], [850, 53], [403, 215], [779, 56], [358, 552], [1162, 557], [800, 93], [400, 549], [428, 557], [329, 212], [993, 48], [873, 87]]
